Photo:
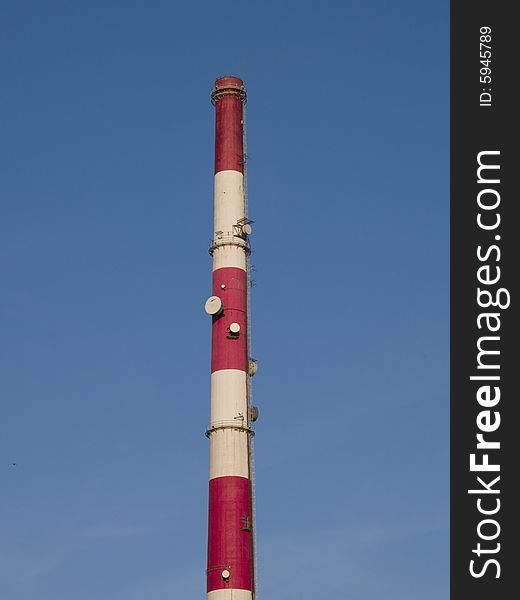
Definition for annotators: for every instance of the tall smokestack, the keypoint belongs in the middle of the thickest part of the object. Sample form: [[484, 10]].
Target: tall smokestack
[[230, 572]]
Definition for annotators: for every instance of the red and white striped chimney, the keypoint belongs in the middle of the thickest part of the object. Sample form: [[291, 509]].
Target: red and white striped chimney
[[230, 572]]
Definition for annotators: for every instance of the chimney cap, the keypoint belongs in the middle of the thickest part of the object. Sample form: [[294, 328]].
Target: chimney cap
[[228, 85]]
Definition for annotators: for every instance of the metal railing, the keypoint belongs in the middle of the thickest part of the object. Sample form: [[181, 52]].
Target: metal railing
[[235, 424], [229, 239]]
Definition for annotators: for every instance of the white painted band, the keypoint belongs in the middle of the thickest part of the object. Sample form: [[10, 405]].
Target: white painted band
[[229, 210], [230, 594], [228, 453], [229, 200], [229, 396], [229, 256]]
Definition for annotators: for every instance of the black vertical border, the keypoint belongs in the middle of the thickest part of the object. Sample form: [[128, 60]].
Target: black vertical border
[[475, 129]]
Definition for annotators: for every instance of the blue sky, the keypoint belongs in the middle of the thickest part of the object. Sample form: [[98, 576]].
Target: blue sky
[[106, 201]]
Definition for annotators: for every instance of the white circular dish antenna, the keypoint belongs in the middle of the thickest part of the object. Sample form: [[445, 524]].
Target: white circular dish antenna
[[226, 574], [234, 328], [214, 306], [247, 229], [254, 413]]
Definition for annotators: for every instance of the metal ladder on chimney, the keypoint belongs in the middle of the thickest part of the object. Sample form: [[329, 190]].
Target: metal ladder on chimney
[[249, 386]]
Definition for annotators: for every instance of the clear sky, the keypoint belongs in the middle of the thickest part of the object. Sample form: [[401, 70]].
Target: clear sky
[[106, 190]]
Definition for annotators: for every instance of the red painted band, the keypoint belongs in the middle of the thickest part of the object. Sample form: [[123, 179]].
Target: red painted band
[[229, 351], [229, 149], [229, 534]]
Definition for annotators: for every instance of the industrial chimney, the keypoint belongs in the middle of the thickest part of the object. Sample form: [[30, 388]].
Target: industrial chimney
[[231, 546]]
